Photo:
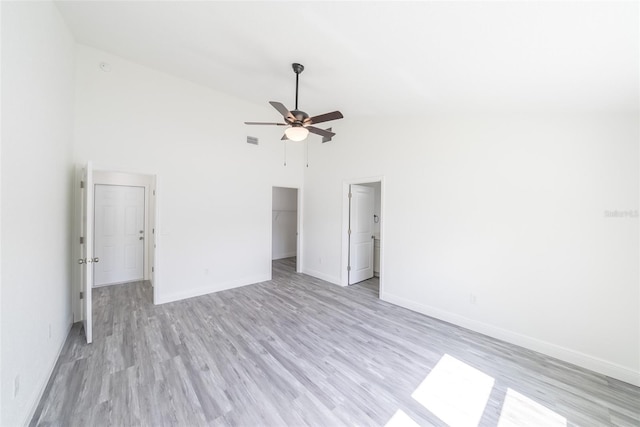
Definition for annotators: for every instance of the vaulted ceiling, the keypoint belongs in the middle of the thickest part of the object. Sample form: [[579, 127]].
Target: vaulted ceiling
[[383, 58]]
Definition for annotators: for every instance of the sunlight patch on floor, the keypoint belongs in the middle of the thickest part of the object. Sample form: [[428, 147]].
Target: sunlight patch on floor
[[455, 392], [520, 411], [401, 419]]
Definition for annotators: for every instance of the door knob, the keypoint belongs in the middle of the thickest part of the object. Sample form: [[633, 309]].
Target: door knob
[[81, 261], [141, 238], [96, 259]]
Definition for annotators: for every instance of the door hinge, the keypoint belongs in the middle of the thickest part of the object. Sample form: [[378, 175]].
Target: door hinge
[[153, 231], [348, 268], [153, 269], [81, 295], [81, 184], [154, 192], [350, 194], [349, 232], [81, 240]]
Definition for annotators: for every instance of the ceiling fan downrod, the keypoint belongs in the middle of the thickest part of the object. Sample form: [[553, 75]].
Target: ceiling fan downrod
[[297, 68]]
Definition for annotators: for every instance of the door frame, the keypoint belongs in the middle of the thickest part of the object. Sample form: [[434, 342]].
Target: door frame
[[344, 274], [151, 258], [299, 237]]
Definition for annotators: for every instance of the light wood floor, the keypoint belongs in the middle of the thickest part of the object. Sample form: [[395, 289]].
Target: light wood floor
[[299, 351]]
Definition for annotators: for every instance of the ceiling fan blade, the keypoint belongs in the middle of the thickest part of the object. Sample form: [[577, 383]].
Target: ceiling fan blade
[[284, 137], [283, 110], [321, 132], [334, 115], [326, 138], [265, 123]]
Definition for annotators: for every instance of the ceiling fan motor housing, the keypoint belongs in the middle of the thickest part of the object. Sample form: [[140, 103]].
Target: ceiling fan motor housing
[[297, 68], [300, 116]]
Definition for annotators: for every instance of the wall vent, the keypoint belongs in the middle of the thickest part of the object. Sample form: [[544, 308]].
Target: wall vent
[[252, 140]]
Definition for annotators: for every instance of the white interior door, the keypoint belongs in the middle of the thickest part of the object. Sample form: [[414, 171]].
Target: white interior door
[[361, 204], [87, 260], [119, 234]]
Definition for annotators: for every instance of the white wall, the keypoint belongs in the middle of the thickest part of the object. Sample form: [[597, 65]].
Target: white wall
[[214, 189], [284, 222], [509, 208], [37, 124]]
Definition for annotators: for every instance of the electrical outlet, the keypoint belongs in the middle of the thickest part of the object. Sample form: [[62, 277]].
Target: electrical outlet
[[473, 299], [319, 260], [16, 386], [49, 330]]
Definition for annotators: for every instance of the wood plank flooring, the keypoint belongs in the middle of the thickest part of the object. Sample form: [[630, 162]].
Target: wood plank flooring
[[298, 351]]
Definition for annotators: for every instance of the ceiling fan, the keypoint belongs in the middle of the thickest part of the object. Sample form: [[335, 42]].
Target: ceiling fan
[[299, 123]]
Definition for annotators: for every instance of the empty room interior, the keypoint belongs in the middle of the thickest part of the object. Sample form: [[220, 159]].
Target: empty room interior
[[320, 213]]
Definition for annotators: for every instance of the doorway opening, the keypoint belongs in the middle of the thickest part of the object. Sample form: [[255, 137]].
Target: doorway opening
[[115, 226], [362, 231], [286, 242]]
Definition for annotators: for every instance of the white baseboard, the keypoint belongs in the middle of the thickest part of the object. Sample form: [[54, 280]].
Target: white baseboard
[[284, 255], [102, 285], [583, 360], [214, 287], [322, 276], [39, 391]]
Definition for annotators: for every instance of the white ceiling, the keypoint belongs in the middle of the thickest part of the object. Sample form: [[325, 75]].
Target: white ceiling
[[383, 58]]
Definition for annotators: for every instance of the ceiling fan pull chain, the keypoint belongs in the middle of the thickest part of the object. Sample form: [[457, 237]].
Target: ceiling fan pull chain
[[285, 152], [307, 142]]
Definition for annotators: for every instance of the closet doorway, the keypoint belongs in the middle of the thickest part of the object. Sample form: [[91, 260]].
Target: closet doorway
[[285, 225]]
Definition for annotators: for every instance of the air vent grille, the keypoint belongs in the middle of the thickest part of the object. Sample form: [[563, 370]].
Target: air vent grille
[[252, 140]]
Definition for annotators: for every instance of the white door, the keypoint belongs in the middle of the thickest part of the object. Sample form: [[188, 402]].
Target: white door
[[361, 204], [86, 258], [119, 234]]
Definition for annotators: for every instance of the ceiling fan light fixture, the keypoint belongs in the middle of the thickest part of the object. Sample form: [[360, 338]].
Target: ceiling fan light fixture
[[297, 133]]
